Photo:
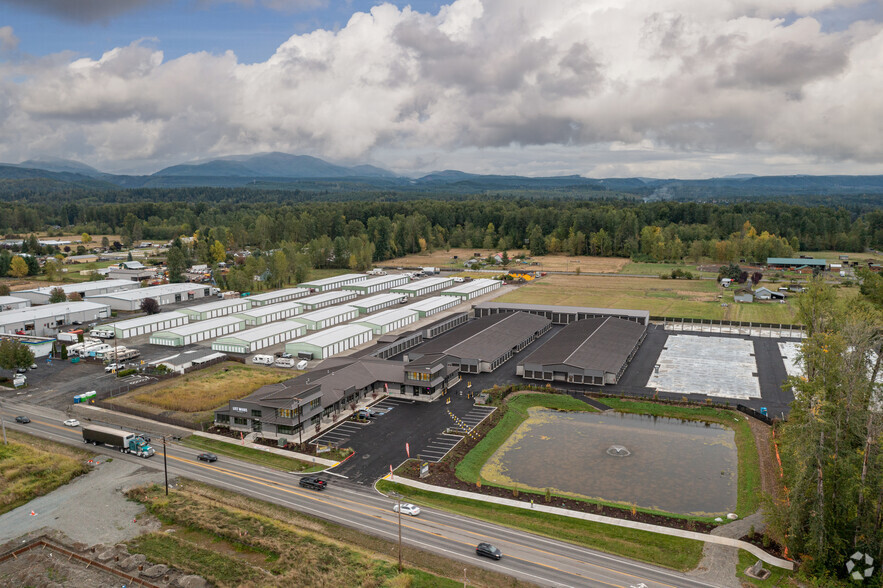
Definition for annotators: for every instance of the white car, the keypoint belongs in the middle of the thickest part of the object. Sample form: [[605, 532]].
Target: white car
[[114, 367], [71, 423], [408, 509]]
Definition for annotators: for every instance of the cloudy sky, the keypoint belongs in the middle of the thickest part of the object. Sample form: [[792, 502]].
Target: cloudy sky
[[600, 88]]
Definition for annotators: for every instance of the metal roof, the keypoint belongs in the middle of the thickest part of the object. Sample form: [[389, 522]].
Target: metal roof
[[296, 292], [209, 306], [325, 313], [420, 284], [150, 291], [487, 337], [433, 303], [473, 286], [326, 296], [602, 344], [262, 332], [512, 306], [334, 280], [199, 326], [31, 313], [258, 311], [333, 335], [379, 281], [150, 319], [387, 317], [84, 286], [794, 261], [375, 300]]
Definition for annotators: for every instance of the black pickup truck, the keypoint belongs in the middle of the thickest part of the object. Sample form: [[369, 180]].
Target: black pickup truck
[[314, 483]]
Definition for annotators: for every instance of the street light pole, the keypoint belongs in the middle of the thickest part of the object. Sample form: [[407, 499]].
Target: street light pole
[[165, 463], [300, 428], [398, 497]]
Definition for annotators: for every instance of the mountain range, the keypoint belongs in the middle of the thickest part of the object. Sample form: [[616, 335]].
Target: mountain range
[[284, 171]]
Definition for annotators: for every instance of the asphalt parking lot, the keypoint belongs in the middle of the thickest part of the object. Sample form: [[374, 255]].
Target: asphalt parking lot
[[380, 443]]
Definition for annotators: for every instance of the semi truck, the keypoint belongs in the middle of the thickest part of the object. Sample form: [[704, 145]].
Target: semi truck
[[122, 441]]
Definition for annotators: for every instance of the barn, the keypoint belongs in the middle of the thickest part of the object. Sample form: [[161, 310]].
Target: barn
[[590, 351]]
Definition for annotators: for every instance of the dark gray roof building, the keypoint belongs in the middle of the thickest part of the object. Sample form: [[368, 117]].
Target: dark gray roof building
[[484, 344], [591, 351], [562, 315]]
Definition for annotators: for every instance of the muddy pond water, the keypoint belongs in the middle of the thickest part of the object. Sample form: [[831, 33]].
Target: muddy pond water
[[666, 464]]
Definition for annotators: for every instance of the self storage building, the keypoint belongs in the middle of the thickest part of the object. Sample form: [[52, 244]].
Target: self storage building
[[251, 340], [592, 351], [372, 285], [220, 308], [84, 289], [562, 315], [197, 331], [326, 299], [164, 294], [45, 320], [473, 289], [277, 296], [329, 342], [388, 320], [430, 306], [422, 287], [484, 344], [326, 317], [326, 284], [376, 302], [13, 303], [261, 315], [144, 325]]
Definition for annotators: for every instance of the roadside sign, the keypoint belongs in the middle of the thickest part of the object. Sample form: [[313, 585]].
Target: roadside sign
[[424, 469]]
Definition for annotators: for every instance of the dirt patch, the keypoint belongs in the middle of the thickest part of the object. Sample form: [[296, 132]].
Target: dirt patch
[[770, 478]]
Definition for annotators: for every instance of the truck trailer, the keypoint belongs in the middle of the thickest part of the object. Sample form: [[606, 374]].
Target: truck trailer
[[122, 441]]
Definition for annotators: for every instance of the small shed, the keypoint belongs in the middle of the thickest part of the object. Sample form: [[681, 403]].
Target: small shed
[[767, 294], [743, 295]]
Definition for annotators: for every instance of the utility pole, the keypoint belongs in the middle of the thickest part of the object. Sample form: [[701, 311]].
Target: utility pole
[[165, 463], [399, 508]]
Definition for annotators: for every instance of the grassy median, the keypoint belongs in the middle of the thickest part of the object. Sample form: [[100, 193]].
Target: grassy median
[[231, 540], [255, 456], [31, 467]]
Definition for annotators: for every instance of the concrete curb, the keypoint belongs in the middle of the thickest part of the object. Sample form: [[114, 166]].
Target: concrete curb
[[258, 447], [753, 549]]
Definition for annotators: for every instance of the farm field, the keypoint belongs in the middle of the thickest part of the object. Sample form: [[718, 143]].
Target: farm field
[[696, 299], [195, 396], [656, 269], [547, 263]]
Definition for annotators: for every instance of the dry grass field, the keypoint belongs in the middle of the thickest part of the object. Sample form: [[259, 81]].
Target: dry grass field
[[547, 263], [697, 299], [194, 396]]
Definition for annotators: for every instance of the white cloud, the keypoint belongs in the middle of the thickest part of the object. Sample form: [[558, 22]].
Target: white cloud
[[8, 40], [603, 87]]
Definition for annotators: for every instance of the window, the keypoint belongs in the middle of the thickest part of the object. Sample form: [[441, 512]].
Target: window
[[240, 421], [284, 430], [315, 403], [222, 418], [255, 413]]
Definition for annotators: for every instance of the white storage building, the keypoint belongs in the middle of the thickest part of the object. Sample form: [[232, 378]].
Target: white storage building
[[329, 342], [372, 285], [45, 320], [13, 303], [144, 325], [84, 289], [326, 317], [327, 284], [277, 296], [388, 320], [473, 289], [211, 310], [251, 340], [261, 315], [163, 294], [198, 331], [430, 306], [327, 299], [421, 287], [375, 303]]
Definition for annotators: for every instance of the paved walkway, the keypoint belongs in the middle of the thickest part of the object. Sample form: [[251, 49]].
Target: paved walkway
[[277, 451], [718, 537], [718, 565]]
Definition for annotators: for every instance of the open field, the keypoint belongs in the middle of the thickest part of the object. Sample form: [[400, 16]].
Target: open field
[[547, 263], [834, 256], [655, 269], [231, 541], [697, 299], [194, 396], [264, 458], [31, 467]]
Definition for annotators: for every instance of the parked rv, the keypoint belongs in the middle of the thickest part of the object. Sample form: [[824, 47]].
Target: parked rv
[[262, 359]]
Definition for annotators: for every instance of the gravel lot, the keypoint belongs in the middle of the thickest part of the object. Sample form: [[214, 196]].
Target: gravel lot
[[91, 509]]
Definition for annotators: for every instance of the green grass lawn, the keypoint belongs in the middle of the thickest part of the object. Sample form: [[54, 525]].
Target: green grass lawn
[[264, 458], [778, 576], [662, 550], [654, 269]]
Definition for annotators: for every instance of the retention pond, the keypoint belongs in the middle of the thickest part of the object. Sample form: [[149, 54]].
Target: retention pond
[[665, 464]]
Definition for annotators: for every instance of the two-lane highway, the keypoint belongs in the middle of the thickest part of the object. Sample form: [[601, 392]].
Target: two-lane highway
[[529, 557]]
